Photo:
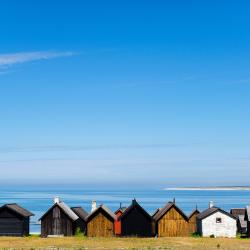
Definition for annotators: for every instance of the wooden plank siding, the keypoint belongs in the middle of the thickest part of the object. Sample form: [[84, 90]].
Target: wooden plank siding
[[13, 224], [56, 222], [193, 222], [172, 224], [100, 226]]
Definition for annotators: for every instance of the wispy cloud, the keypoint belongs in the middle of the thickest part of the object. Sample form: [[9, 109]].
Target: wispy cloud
[[7, 60], [86, 147]]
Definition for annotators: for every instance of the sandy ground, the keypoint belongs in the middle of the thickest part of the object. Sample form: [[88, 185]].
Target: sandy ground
[[35, 242]]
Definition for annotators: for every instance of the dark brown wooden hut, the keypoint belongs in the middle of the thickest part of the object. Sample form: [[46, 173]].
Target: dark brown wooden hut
[[100, 223], [171, 221], [135, 221], [192, 221], [60, 220], [14, 220]]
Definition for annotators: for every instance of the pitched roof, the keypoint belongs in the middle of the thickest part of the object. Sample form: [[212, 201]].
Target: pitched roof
[[131, 207], [18, 209], [247, 213], [66, 209], [196, 211], [211, 211], [121, 209], [237, 211], [156, 211], [101, 208], [242, 221], [165, 209], [79, 211]]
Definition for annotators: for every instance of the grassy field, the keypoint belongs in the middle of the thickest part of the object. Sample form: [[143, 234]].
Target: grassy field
[[34, 242]]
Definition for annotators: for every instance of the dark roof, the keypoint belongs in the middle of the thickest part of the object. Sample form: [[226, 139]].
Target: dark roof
[[65, 208], [165, 209], [237, 211], [196, 211], [155, 212], [211, 211], [79, 211], [131, 207], [121, 209], [18, 209], [101, 208]]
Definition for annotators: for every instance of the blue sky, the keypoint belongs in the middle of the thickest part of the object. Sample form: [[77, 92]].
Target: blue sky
[[125, 92]]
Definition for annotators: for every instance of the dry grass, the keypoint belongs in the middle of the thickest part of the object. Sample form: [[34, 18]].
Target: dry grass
[[35, 242]]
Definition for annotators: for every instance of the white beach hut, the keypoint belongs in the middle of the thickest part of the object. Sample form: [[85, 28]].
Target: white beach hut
[[216, 222]]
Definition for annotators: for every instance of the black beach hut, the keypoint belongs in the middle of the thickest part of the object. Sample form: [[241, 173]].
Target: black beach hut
[[135, 221], [14, 220]]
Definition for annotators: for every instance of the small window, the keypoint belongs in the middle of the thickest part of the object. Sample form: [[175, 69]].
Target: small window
[[218, 220]]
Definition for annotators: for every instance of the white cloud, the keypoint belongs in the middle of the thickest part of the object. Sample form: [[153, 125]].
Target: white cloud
[[7, 60]]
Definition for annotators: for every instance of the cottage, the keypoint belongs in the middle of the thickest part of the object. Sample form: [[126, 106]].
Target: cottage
[[192, 221], [216, 222], [61, 220], [171, 221], [239, 213], [100, 222], [135, 221], [118, 213], [14, 220]]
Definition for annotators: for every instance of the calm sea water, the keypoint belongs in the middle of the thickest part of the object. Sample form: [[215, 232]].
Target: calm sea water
[[38, 198]]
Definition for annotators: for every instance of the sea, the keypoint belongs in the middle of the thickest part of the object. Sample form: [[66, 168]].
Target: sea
[[39, 198]]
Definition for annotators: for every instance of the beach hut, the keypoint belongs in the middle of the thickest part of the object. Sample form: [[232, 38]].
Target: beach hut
[[216, 222], [135, 221], [192, 221], [171, 221], [60, 219], [14, 220], [118, 213], [239, 213], [81, 223], [100, 222]]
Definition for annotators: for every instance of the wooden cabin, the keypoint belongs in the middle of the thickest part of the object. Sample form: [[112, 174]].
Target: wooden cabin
[[192, 221], [135, 221], [171, 221], [61, 220], [239, 213], [14, 220], [100, 222], [118, 213]]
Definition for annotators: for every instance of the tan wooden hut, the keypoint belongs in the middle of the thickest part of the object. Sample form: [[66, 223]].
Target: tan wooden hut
[[100, 223], [192, 221], [171, 221]]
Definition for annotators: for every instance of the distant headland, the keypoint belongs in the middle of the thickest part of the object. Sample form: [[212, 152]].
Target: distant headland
[[216, 188]]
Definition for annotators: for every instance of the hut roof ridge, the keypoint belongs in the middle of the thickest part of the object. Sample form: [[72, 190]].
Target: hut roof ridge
[[18, 209]]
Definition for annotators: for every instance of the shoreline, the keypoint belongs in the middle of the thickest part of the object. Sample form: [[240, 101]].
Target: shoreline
[[209, 189]]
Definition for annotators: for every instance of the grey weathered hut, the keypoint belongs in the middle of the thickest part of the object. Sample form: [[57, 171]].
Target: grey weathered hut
[[14, 220], [239, 213], [60, 219]]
